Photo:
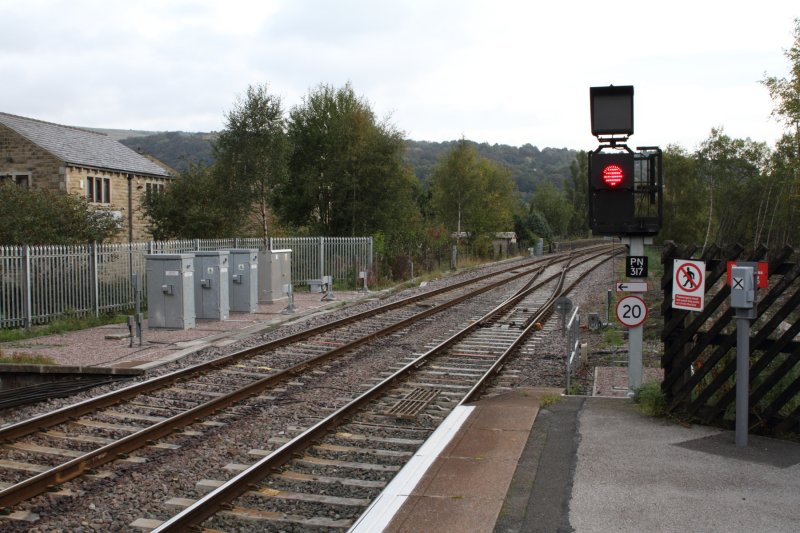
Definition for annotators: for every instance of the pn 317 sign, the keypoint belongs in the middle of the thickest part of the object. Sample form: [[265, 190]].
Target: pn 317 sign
[[637, 266]]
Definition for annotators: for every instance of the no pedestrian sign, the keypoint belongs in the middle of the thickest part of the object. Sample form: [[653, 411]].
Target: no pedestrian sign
[[688, 285]]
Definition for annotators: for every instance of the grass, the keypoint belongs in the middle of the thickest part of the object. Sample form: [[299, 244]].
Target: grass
[[612, 337], [548, 400], [25, 359], [68, 322], [650, 399]]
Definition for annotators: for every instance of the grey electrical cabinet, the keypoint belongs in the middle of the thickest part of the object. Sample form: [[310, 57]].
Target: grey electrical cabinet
[[243, 287], [274, 271], [211, 285], [170, 291]]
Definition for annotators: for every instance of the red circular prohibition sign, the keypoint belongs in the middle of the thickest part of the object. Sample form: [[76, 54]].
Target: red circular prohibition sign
[[690, 283], [631, 311]]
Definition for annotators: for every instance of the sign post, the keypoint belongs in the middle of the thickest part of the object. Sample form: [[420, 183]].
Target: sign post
[[743, 300], [625, 199], [637, 313]]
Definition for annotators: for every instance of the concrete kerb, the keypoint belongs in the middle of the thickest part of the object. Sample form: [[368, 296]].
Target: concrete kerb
[[229, 337], [226, 338]]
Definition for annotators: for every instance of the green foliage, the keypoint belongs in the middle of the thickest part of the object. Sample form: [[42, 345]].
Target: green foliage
[[785, 92], [651, 399], [36, 216], [552, 204], [548, 400], [738, 190], [612, 337], [472, 194], [67, 322], [346, 171], [529, 166], [194, 206], [251, 155], [577, 193], [533, 226], [686, 198]]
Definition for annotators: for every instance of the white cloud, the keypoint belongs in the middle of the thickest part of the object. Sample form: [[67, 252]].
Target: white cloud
[[506, 71]]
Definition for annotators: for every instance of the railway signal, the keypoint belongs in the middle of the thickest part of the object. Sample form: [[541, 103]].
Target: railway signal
[[625, 200], [624, 185], [611, 191]]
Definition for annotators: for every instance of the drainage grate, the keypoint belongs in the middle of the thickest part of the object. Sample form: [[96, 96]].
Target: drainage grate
[[414, 402]]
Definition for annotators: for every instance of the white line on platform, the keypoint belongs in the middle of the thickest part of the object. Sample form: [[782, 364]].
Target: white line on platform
[[382, 511]]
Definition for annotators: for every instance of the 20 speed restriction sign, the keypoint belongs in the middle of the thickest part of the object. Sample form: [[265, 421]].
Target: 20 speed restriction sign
[[631, 311]]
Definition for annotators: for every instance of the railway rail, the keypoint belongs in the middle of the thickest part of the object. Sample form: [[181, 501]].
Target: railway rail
[[140, 415], [354, 438]]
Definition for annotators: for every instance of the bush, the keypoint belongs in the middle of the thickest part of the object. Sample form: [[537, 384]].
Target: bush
[[40, 216], [651, 399]]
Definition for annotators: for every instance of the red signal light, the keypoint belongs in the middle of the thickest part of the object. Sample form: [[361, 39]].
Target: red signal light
[[613, 175]]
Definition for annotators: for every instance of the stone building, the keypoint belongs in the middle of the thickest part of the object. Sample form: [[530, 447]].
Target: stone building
[[111, 176]]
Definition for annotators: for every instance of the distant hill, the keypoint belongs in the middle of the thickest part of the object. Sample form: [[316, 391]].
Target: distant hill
[[528, 164], [119, 135], [177, 149]]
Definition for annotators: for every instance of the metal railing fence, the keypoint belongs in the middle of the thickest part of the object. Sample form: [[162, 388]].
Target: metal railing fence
[[40, 283]]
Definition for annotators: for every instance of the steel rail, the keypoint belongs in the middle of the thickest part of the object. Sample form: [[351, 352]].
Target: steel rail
[[74, 468], [543, 314], [59, 416], [191, 518]]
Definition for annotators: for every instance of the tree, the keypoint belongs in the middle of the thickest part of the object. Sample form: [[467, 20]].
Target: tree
[[552, 204], [685, 194], [533, 225], [472, 194], [577, 193], [346, 174], [251, 155], [737, 189], [782, 225], [191, 207], [785, 92], [38, 216]]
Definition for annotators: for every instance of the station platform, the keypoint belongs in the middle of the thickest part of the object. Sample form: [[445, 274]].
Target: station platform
[[110, 347], [518, 463], [530, 460]]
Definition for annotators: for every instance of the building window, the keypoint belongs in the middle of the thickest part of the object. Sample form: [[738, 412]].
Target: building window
[[23, 180], [152, 188], [98, 190]]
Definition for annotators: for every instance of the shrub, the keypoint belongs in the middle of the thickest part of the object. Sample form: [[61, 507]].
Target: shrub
[[651, 399]]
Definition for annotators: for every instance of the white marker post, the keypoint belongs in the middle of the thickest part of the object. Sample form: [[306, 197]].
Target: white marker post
[[635, 332]]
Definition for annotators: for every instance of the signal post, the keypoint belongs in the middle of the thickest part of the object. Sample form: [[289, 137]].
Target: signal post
[[625, 200]]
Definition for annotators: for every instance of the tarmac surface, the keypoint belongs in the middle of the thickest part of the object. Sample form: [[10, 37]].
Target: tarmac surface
[[532, 460], [595, 464]]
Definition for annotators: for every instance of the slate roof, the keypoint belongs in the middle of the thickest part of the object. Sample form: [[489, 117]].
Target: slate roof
[[81, 147]]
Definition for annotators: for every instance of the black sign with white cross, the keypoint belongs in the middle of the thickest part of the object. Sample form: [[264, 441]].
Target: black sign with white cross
[[637, 266]]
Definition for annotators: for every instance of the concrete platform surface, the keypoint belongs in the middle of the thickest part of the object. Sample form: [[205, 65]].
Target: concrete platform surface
[[589, 464], [109, 346]]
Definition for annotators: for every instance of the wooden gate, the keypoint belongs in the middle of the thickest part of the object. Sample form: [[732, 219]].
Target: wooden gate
[[699, 357]]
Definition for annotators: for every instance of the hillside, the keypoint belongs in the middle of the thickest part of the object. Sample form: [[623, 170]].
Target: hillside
[[528, 164]]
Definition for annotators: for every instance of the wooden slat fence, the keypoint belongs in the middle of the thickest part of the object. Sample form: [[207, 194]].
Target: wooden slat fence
[[699, 358]]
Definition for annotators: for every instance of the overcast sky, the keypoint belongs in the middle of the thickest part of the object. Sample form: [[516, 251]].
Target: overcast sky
[[497, 71]]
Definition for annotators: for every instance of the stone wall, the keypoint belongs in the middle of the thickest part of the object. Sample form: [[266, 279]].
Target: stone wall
[[18, 155], [77, 183]]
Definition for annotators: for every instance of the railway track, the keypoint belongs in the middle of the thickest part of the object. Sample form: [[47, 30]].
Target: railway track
[[327, 475], [47, 450]]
